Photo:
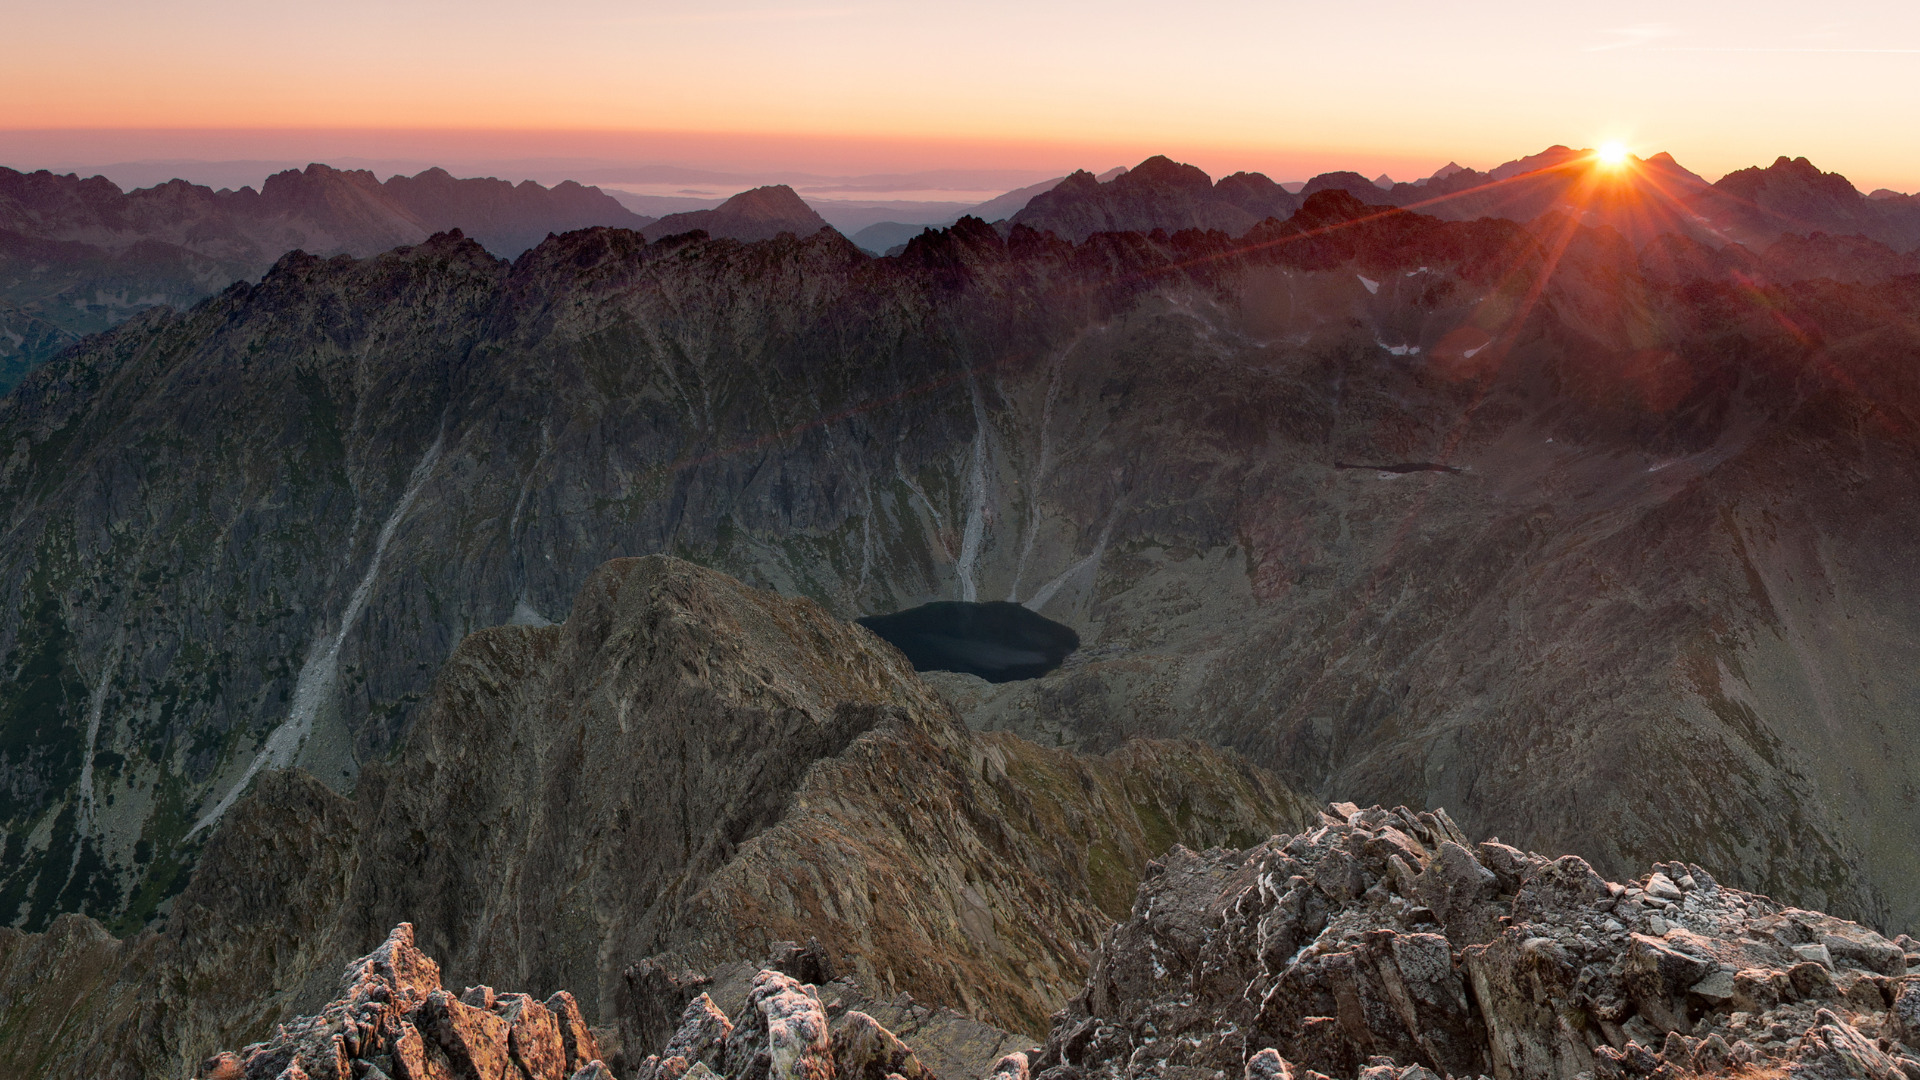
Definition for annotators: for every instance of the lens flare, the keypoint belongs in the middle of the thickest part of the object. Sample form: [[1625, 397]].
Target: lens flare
[[1611, 154]]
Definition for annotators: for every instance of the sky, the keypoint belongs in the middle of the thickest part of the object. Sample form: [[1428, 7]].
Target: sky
[[1037, 86]]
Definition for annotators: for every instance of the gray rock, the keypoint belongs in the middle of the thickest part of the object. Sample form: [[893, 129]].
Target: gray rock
[[703, 1033], [1817, 954], [1662, 887]]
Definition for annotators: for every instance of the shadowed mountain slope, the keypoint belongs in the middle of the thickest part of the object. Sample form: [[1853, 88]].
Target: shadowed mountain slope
[[686, 764], [1619, 585]]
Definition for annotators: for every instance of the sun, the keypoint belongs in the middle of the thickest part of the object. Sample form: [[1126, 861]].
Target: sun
[[1611, 154]]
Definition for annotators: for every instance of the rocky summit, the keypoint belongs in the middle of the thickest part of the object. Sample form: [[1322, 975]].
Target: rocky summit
[[1378, 945]]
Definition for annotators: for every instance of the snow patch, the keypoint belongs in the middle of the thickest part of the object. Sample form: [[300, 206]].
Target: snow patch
[[1373, 287], [320, 674]]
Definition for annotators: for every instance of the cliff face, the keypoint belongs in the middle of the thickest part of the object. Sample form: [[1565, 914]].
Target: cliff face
[[686, 771], [1585, 544]]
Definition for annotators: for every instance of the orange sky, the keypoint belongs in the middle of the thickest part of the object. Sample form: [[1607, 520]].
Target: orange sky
[[1287, 88]]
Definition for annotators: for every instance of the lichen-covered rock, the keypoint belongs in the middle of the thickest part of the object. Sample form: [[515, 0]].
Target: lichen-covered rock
[[1369, 948]]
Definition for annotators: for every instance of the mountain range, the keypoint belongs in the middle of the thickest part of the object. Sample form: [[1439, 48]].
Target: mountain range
[[78, 255], [515, 599]]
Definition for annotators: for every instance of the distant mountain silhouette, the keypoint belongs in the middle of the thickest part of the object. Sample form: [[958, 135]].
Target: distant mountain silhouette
[[1353, 184], [1159, 193], [760, 214], [77, 256], [1792, 196], [882, 237], [507, 218]]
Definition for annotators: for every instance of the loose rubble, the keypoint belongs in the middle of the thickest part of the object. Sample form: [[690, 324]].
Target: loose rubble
[[1384, 946], [393, 1021]]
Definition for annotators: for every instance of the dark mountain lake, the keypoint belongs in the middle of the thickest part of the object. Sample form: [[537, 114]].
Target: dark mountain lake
[[997, 640]]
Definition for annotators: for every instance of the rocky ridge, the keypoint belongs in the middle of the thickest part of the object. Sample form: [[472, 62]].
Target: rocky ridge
[[392, 1020], [683, 775]]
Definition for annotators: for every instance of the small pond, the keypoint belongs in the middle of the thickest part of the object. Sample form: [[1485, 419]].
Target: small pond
[[998, 641]]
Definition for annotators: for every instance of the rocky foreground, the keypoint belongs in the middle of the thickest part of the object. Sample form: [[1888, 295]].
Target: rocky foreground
[[1381, 940], [1378, 945]]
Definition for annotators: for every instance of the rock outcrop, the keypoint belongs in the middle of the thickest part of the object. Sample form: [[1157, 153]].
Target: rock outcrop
[[393, 1020], [1382, 944]]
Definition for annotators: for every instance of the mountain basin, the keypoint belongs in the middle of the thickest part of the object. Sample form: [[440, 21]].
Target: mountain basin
[[997, 640]]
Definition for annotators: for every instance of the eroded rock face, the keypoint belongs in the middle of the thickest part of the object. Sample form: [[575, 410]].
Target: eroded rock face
[[1380, 945]]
